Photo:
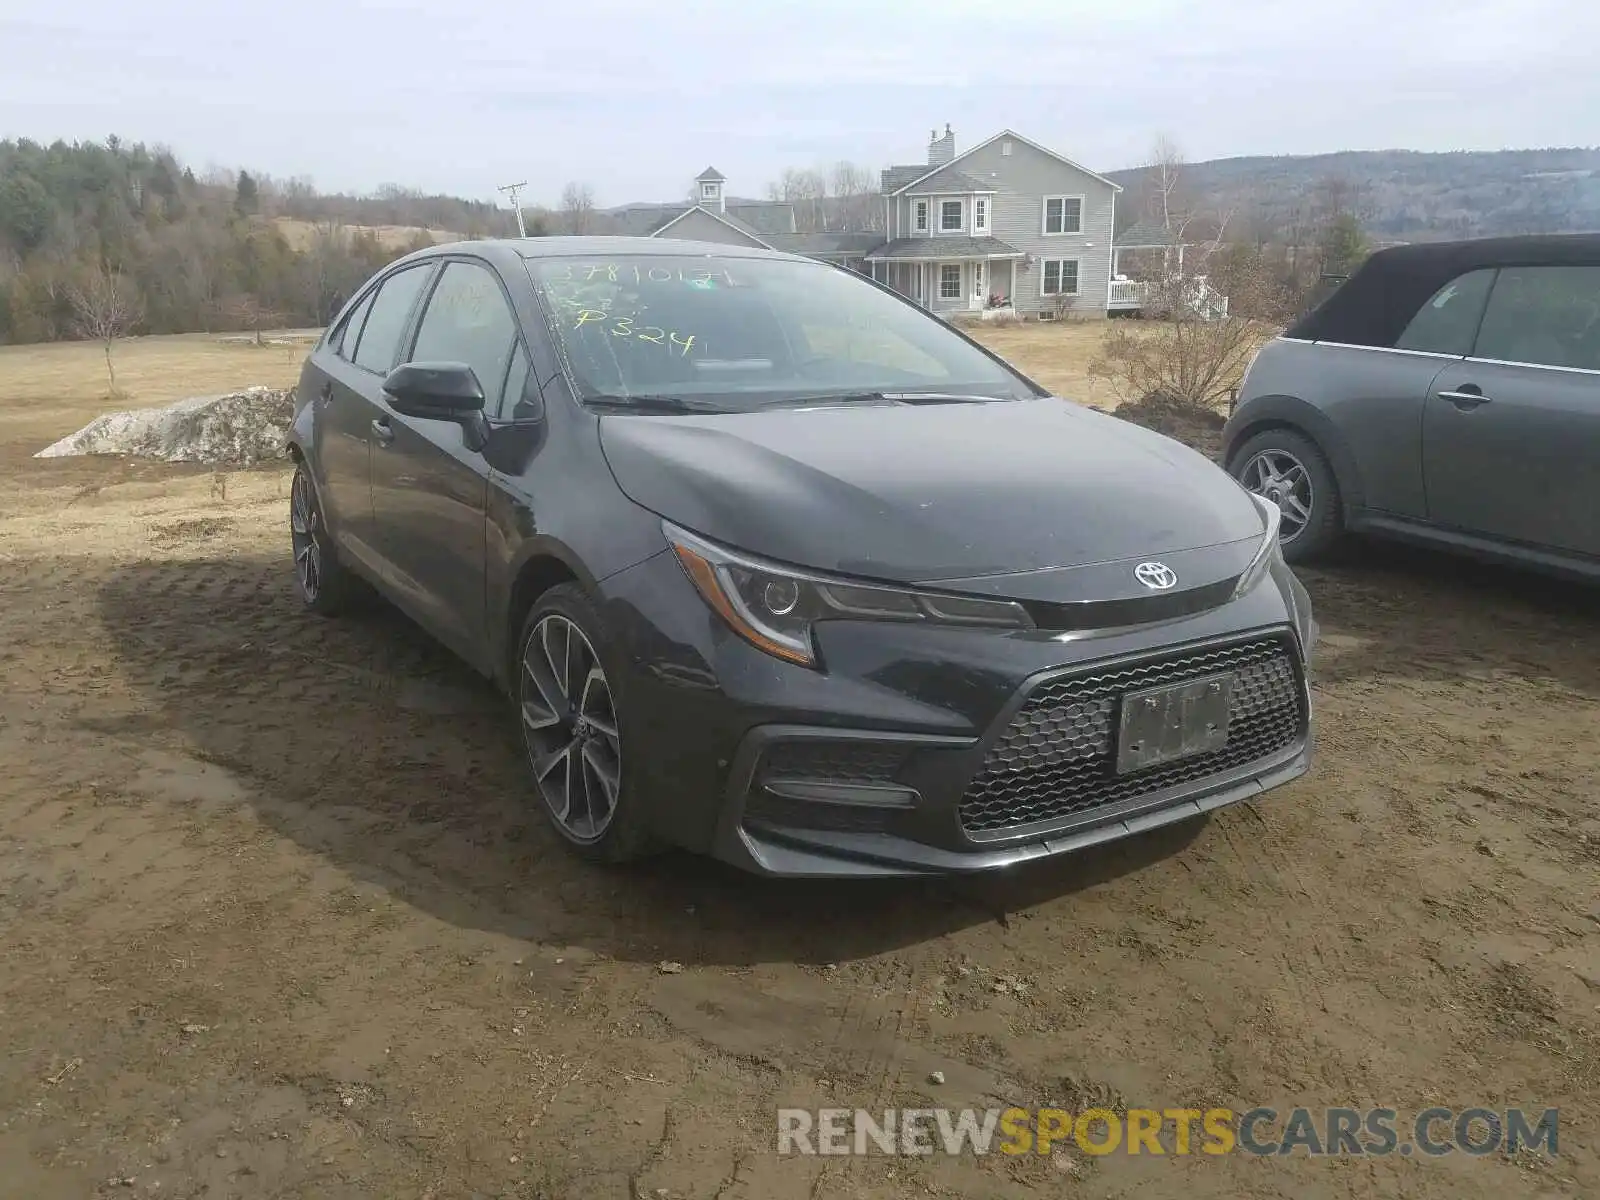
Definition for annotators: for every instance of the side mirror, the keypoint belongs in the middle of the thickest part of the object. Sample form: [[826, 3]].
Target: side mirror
[[436, 391]]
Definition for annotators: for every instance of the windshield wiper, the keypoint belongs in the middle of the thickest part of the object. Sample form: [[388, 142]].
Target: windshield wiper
[[890, 397], [653, 404]]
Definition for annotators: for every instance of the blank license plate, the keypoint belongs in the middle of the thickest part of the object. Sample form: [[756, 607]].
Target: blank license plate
[[1177, 720]]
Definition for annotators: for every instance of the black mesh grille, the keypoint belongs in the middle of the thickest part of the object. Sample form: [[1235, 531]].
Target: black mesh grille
[[833, 762], [1058, 756]]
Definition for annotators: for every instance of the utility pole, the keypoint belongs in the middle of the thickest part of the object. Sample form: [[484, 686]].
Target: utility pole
[[512, 189]]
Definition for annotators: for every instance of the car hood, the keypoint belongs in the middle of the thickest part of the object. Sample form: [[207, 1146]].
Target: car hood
[[940, 493]]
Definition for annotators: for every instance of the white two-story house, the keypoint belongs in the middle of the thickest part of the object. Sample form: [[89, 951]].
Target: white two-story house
[[1008, 218]]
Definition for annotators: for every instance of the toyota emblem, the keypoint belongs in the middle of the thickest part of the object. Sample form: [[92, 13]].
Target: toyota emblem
[[1158, 577]]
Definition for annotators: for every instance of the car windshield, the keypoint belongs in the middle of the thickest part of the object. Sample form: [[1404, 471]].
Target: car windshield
[[734, 334]]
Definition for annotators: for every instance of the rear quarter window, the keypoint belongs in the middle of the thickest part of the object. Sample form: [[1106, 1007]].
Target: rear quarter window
[[386, 320], [344, 341], [1448, 321]]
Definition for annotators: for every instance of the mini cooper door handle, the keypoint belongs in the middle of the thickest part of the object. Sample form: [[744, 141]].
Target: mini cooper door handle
[[382, 430]]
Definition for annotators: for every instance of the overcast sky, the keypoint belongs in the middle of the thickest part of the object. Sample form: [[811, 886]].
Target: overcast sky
[[636, 98]]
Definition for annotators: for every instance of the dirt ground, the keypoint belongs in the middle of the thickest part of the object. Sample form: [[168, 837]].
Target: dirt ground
[[277, 918]]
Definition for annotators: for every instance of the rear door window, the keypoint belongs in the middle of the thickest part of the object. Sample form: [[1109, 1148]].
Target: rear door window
[[350, 333], [1447, 323], [386, 320], [1549, 316]]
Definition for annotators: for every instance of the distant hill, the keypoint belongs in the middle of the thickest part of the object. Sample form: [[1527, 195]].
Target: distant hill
[[1400, 194]]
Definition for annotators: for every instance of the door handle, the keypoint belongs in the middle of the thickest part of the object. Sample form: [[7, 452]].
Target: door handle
[[382, 430], [1466, 399]]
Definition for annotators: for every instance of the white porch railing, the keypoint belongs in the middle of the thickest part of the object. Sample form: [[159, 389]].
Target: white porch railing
[[1127, 295]]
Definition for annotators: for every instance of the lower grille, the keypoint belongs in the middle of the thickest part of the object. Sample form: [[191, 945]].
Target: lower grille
[[1057, 758], [833, 762], [860, 763]]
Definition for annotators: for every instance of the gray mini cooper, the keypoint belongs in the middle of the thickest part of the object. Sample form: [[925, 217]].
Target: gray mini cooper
[[1447, 393]]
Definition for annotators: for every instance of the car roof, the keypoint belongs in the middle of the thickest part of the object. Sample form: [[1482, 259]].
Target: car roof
[[598, 244], [1373, 306]]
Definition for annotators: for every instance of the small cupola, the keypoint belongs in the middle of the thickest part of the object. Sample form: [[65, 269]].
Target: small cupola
[[708, 189]]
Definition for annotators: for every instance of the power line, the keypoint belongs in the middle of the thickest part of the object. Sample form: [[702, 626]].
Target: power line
[[512, 189]]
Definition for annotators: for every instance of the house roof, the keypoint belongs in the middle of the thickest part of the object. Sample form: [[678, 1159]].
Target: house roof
[[732, 222], [769, 216], [637, 220], [1144, 235], [1010, 133], [955, 181], [830, 244], [895, 178], [711, 175], [761, 216], [912, 249]]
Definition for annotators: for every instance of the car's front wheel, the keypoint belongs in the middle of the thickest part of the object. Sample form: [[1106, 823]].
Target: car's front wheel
[[574, 728], [324, 583], [1289, 470]]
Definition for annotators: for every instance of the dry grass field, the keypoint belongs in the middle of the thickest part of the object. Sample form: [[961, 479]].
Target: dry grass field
[[1057, 356], [278, 920], [299, 234]]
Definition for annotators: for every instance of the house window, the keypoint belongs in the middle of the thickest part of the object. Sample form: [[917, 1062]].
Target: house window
[[950, 281], [980, 215], [708, 191], [1063, 214], [1060, 277], [950, 216], [922, 216]]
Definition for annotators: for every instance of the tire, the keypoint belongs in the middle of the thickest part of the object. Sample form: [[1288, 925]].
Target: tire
[[575, 729], [1284, 462], [325, 585]]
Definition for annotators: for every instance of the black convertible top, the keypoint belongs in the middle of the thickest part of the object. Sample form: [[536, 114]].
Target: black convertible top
[[1373, 306]]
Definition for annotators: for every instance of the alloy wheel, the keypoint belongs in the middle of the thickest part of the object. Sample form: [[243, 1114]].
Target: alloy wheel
[[569, 726], [1280, 477], [303, 518]]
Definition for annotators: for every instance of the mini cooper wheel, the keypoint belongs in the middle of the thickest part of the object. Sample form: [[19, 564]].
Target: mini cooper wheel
[[573, 728], [324, 584], [1289, 470]]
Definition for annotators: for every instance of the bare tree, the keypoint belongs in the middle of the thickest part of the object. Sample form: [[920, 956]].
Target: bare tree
[[1162, 176], [807, 190], [106, 306], [245, 311], [577, 208], [856, 204]]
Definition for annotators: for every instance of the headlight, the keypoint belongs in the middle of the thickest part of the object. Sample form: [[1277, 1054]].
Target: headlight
[[1262, 562], [774, 607]]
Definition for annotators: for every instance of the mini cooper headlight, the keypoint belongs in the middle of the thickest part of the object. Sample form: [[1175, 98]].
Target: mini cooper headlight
[[1261, 562], [773, 607]]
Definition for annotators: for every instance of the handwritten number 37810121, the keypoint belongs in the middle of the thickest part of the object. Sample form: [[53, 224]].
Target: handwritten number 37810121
[[624, 327]]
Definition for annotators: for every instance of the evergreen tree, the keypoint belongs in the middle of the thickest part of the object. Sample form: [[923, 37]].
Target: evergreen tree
[[247, 200]]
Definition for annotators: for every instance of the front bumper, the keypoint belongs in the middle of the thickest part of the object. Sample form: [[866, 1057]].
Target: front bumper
[[922, 751]]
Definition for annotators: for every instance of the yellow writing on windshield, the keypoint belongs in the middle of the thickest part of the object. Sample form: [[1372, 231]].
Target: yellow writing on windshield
[[614, 272], [629, 327]]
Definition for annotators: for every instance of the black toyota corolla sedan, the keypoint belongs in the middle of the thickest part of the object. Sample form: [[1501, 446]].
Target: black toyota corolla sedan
[[777, 566]]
